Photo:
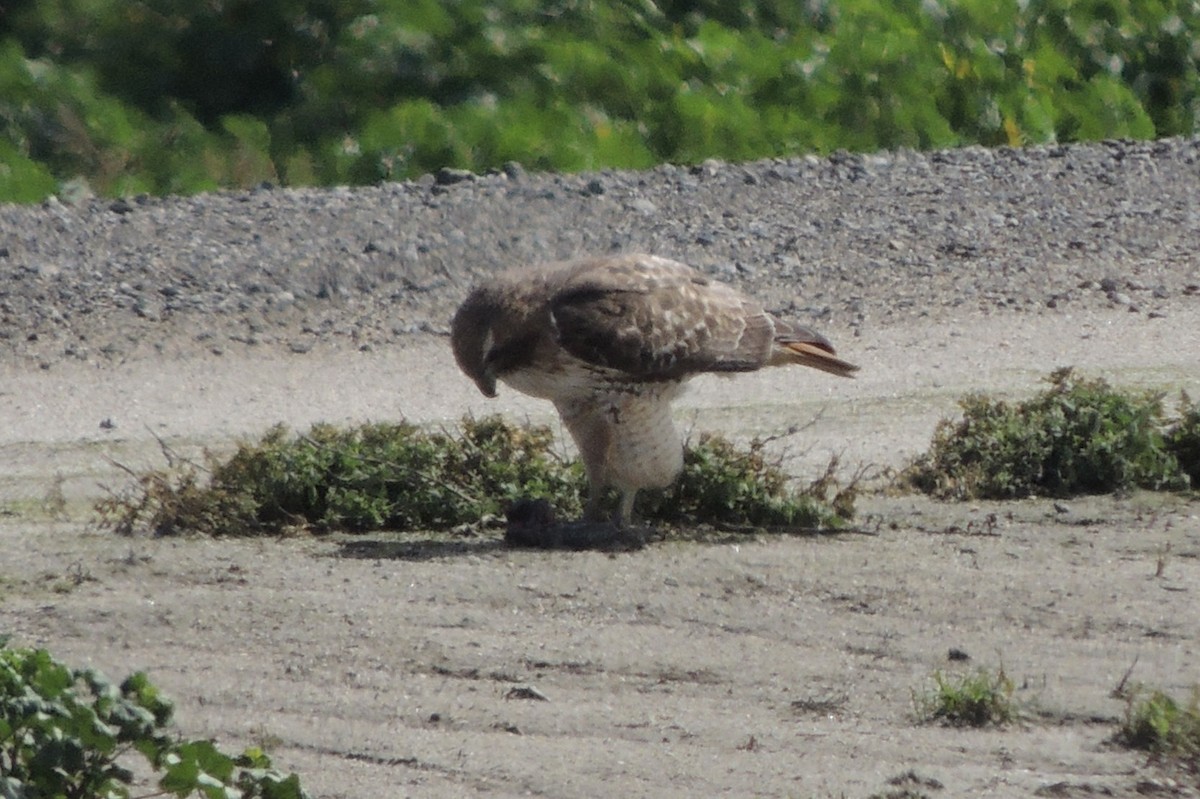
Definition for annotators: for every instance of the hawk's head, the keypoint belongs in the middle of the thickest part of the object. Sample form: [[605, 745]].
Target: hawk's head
[[491, 336]]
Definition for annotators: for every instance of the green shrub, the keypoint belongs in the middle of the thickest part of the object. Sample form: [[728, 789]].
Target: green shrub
[[70, 733], [723, 484], [972, 700], [1157, 723], [1184, 439], [21, 178], [400, 477], [1077, 437], [393, 476]]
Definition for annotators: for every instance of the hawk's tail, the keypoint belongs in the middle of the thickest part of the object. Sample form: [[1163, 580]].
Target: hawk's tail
[[808, 353]]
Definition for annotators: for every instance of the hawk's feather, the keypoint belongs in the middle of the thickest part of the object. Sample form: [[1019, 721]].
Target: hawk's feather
[[658, 320]]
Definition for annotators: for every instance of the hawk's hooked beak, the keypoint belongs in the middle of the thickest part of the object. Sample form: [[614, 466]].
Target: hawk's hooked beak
[[485, 376], [487, 384]]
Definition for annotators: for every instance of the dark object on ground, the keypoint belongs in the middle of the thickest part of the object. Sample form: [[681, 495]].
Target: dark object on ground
[[531, 523]]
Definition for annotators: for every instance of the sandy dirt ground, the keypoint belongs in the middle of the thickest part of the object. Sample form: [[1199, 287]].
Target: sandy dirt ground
[[771, 667]]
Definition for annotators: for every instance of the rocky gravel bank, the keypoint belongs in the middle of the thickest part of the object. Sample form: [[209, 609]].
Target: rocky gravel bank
[[848, 240]]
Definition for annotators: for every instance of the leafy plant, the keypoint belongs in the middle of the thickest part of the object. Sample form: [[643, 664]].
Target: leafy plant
[[70, 733], [1158, 723], [1183, 439], [724, 484], [400, 477], [1077, 437], [375, 476], [972, 700]]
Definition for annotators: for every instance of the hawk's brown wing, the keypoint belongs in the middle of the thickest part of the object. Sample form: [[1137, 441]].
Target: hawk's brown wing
[[657, 319]]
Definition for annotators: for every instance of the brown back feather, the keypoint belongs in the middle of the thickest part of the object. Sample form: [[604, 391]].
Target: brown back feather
[[658, 320]]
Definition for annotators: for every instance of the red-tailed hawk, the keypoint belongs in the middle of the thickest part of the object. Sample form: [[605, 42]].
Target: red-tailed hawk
[[611, 341]]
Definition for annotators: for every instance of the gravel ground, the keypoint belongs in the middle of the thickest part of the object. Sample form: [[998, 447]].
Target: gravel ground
[[851, 240]]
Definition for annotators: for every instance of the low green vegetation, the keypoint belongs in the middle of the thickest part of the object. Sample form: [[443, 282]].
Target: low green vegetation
[[1159, 724], [1079, 436], [71, 733], [402, 477], [971, 700], [729, 485], [171, 96], [1183, 439]]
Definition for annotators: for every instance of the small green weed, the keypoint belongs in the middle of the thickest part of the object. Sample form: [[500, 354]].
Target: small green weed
[[1184, 439], [54, 503], [69, 733], [1157, 723], [400, 477], [972, 700], [724, 484], [1077, 437]]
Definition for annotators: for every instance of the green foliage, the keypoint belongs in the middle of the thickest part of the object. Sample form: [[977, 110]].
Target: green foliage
[[23, 179], [400, 477], [139, 96], [723, 484], [1183, 439], [972, 700], [394, 476], [1157, 723], [59, 123], [70, 732], [1077, 437]]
